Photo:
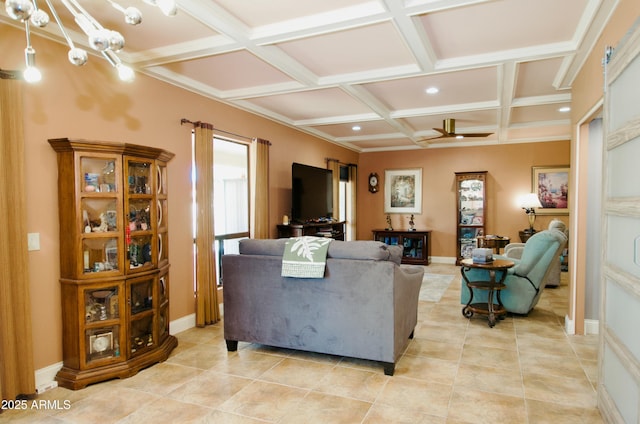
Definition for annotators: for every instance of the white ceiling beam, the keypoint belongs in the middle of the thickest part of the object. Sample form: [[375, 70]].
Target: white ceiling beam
[[507, 77], [541, 100], [413, 35], [439, 110]]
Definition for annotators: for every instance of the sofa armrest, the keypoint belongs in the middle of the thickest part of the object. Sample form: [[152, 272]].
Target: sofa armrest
[[514, 250]]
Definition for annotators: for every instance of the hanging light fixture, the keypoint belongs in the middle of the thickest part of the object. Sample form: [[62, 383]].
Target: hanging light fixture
[[103, 40]]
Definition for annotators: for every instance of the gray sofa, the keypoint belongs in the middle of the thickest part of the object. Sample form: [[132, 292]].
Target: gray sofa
[[365, 306]]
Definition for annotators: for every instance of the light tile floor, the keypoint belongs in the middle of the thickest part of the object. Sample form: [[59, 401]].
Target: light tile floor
[[455, 371]]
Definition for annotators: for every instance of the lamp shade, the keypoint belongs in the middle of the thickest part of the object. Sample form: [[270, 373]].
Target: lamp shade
[[529, 201]]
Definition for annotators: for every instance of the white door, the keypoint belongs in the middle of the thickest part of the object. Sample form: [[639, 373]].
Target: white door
[[619, 367]]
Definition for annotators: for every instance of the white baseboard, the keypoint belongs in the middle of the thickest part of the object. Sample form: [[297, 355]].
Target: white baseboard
[[569, 325], [443, 260], [591, 326], [181, 324], [45, 377]]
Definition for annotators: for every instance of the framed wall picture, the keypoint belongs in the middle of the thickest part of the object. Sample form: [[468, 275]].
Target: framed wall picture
[[403, 191], [552, 185]]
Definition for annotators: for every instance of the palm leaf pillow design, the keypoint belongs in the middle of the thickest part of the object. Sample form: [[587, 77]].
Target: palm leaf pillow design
[[305, 257]]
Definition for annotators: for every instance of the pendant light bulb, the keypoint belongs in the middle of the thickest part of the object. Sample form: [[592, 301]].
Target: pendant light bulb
[[125, 73], [31, 73]]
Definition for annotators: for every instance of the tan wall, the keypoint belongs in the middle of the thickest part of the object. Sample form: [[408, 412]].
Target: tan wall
[[90, 103], [509, 175]]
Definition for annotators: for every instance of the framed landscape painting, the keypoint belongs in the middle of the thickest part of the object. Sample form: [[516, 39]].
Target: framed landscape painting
[[552, 185], [403, 191]]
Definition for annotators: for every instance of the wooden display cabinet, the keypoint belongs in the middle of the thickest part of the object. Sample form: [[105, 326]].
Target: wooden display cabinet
[[114, 262], [471, 211], [416, 246]]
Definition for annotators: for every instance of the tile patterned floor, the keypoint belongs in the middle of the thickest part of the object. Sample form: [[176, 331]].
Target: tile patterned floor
[[455, 371]]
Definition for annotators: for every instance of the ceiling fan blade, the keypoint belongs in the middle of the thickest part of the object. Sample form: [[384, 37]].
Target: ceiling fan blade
[[474, 135], [441, 131], [448, 131]]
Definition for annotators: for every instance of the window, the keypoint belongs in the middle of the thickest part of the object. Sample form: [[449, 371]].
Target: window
[[230, 197]]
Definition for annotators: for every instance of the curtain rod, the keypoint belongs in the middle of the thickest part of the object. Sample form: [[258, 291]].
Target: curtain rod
[[186, 121], [12, 75], [341, 163]]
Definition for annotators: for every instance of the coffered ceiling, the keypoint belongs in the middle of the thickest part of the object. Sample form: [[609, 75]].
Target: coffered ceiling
[[326, 66]]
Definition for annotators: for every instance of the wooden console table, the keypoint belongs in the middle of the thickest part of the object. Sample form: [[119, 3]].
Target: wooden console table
[[416, 248], [493, 242], [334, 230]]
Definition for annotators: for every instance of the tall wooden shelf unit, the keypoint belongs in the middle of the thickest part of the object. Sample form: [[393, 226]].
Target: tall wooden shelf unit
[[114, 263], [471, 207]]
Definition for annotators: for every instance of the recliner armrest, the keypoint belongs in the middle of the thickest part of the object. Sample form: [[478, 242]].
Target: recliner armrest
[[514, 250]]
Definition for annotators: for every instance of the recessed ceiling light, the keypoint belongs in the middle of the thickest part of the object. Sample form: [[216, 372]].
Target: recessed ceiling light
[[564, 109], [432, 90], [356, 128]]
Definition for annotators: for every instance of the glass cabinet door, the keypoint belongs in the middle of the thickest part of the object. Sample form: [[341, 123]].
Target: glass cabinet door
[[141, 314], [163, 304], [139, 176], [99, 219], [141, 215], [141, 296], [102, 343], [412, 247], [99, 174], [102, 303], [162, 210], [471, 210], [471, 198]]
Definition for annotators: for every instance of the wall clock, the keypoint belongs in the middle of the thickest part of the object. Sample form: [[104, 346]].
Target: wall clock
[[373, 182]]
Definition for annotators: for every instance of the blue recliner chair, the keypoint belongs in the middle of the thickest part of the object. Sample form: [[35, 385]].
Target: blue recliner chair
[[525, 280]]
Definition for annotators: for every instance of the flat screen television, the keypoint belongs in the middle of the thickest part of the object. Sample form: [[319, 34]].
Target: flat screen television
[[311, 193]]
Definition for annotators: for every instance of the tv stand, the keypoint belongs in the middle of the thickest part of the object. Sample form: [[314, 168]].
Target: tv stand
[[333, 229]]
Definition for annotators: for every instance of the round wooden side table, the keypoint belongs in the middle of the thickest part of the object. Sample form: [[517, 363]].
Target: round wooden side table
[[492, 310]]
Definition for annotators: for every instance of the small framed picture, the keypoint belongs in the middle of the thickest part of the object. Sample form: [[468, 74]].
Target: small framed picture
[[100, 343], [403, 191]]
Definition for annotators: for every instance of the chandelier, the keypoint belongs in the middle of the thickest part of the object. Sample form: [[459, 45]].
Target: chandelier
[[103, 40]]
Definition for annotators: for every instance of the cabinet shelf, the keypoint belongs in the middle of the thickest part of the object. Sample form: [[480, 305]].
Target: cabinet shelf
[[100, 324], [141, 313], [112, 256]]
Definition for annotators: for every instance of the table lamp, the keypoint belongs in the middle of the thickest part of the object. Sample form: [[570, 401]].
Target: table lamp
[[529, 202]]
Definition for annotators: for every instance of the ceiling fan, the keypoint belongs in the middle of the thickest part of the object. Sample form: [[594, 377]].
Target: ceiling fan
[[448, 130]]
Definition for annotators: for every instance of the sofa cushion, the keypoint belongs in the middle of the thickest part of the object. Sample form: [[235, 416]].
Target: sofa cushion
[[360, 250]]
